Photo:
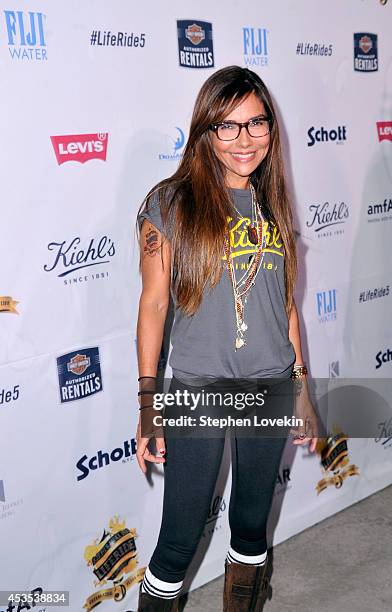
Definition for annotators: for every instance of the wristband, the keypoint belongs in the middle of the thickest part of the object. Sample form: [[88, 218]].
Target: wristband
[[147, 390]]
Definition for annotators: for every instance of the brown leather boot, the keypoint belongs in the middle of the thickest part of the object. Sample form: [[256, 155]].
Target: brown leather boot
[[245, 587], [149, 603]]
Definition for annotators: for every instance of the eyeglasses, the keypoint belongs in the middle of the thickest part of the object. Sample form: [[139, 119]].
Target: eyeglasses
[[230, 130]]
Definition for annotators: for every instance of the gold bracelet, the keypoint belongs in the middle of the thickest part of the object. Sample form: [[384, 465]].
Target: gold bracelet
[[298, 371]]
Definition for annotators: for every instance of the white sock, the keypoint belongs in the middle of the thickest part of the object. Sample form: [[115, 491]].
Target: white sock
[[234, 557], [159, 588]]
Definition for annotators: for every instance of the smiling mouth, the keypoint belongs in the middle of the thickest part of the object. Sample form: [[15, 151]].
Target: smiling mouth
[[243, 157]]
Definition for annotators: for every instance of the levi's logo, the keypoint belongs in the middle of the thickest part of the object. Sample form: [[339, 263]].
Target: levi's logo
[[384, 129], [80, 147]]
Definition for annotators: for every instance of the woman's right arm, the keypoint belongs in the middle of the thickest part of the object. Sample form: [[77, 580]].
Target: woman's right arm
[[155, 260]]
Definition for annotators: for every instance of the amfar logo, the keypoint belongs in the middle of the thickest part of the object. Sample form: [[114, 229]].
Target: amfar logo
[[70, 256], [384, 130], [337, 135], [80, 148], [380, 212], [26, 37]]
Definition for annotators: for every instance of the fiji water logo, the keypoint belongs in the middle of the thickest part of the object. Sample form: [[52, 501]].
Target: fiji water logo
[[69, 256], [384, 130], [80, 148], [326, 305], [255, 46], [195, 44], [79, 374], [26, 35], [365, 52], [173, 147]]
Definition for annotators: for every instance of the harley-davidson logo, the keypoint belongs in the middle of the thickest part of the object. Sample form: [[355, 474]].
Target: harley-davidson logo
[[365, 44], [195, 34], [79, 364]]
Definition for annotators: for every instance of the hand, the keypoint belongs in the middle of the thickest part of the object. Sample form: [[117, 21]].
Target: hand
[[308, 431], [143, 453]]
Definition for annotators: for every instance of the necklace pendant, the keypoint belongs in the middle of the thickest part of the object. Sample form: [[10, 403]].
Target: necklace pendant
[[239, 342], [252, 234], [243, 327]]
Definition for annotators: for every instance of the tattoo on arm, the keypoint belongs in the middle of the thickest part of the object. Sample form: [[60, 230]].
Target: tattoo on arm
[[152, 244]]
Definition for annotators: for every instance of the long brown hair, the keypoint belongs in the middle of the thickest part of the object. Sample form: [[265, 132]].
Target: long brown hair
[[197, 195]]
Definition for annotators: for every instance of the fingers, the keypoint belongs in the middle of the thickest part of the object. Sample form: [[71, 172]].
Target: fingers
[[309, 435], [313, 443], [141, 448], [144, 454], [161, 447]]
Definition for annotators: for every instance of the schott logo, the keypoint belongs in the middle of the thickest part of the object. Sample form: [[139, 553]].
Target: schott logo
[[324, 216], [338, 135], [71, 256]]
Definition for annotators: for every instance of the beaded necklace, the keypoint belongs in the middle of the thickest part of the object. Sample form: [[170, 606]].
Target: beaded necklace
[[241, 289]]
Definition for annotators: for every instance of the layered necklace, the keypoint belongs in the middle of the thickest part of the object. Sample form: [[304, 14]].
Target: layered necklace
[[242, 287]]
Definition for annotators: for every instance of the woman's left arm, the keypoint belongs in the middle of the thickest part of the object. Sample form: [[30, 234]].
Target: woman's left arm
[[304, 406], [294, 334]]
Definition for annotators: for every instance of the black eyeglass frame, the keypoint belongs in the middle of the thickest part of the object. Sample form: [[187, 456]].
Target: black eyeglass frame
[[214, 127]]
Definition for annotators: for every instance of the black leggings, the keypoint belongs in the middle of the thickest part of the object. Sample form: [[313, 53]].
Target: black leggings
[[190, 472]]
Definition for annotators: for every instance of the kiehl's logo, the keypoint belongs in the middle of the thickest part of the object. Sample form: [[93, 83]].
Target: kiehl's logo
[[80, 147], [384, 129]]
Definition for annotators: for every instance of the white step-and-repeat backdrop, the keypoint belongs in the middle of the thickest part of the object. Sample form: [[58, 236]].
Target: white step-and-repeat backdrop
[[96, 102]]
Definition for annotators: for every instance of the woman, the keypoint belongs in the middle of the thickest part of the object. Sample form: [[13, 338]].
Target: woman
[[219, 237]]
